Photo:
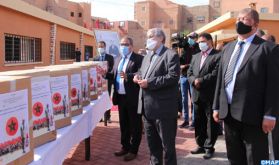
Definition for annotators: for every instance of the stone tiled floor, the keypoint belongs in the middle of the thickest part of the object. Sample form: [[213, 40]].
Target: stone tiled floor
[[106, 140]]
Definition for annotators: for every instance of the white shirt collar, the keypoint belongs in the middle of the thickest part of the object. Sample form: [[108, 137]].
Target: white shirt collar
[[248, 40]]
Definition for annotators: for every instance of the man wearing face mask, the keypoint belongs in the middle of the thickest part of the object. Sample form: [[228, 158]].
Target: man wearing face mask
[[125, 95], [103, 56], [202, 76], [189, 48], [247, 92], [158, 80]]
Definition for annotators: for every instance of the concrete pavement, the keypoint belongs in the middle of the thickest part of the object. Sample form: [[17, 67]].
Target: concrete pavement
[[106, 140]]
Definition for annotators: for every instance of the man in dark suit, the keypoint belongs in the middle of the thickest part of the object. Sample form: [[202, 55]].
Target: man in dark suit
[[77, 55], [158, 79], [275, 131], [125, 95], [103, 56], [202, 76], [246, 95]]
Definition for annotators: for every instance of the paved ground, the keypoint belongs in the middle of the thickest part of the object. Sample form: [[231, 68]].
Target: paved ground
[[106, 140]]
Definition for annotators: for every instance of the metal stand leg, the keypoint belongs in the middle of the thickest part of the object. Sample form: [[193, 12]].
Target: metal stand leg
[[87, 148]]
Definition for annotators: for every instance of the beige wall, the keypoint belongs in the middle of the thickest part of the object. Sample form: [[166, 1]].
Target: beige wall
[[63, 8], [13, 22], [17, 23], [133, 30], [144, 13], [236, 5], [66, 35], [199, 11]]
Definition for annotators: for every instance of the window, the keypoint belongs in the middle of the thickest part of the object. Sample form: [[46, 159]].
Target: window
[[22, 49], [171, 22], [264, 10], [201, 19], [111, 24], [189, 19], [143, 8], [67, 50], [122, 24], [72, 14], [79, 14], [216, 4], [215, 17]]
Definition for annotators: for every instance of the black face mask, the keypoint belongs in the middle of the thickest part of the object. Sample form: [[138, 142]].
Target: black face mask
[[241, 28]]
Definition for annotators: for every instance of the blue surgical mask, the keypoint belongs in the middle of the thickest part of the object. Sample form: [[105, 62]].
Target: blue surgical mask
[[203, 46], [124, 51], [191, 41]]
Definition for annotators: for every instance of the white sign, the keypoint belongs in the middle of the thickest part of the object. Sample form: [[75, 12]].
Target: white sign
[[76, 97], [111, 39], [42, 110], [93, 81], [85, 85], [14, 126], [60, 97]]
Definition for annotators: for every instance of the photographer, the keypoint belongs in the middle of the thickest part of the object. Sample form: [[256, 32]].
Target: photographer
[[189, 47]]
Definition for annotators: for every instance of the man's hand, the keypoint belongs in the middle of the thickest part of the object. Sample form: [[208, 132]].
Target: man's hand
[[103, 72], [123, 75], [182, 66], [136, 78], [197, 84], [216, 116], [143, 83], [268, 125]]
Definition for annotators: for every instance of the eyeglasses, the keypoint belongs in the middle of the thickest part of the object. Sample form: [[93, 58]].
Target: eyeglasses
[[125, 44]]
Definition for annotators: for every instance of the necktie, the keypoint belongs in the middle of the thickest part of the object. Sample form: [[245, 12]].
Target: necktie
[[233, 62], [102, 57], [120, 68]]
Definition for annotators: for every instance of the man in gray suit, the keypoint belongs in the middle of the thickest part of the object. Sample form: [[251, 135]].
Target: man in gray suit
[[158, 80], [247, 92]]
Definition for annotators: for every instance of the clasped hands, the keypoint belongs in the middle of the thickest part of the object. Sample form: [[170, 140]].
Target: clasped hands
[[141, 82]]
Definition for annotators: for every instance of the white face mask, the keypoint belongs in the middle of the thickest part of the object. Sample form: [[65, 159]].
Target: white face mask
[[149, 52], [203, 46], [101, 50], [151, 44]]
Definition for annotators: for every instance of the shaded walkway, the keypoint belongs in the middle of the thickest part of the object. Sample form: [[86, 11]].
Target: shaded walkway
[[106, 140]]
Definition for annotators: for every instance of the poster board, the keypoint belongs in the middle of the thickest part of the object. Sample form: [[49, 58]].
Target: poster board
[[112, 41]]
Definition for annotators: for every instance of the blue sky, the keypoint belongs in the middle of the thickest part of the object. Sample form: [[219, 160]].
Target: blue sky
[[117, 10]]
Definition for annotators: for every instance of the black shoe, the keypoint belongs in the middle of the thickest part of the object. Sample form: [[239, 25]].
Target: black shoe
[[198, 150], [191, 128], [220, 133], [129, 157], [185, 124], [209, 154], [121, 153]]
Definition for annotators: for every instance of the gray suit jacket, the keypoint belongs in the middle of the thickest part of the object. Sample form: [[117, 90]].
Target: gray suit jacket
[[256, 90], [160, 99]]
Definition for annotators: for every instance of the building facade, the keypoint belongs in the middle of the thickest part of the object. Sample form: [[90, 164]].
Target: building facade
[[131, 29], [33, 37], [172, 17], [262, 6]]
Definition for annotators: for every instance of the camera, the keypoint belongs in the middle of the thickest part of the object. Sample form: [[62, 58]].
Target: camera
[[179, 40]]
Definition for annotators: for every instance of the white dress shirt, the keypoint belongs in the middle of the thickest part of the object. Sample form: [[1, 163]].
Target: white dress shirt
[[230, 87], [121, 89]]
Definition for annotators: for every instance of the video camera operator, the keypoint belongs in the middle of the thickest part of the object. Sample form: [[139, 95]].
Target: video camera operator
[[188, 47]]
